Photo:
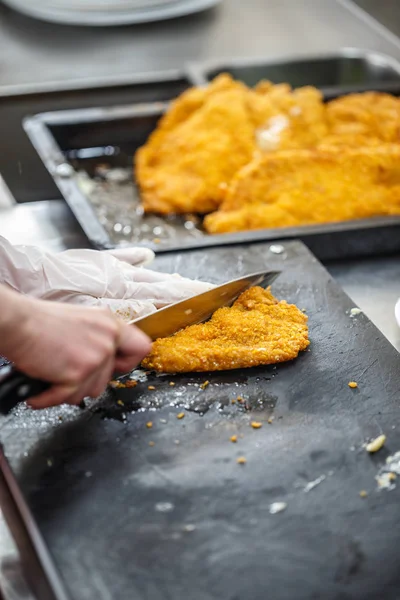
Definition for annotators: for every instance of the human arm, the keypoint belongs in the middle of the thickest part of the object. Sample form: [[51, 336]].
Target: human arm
[[75, 348]]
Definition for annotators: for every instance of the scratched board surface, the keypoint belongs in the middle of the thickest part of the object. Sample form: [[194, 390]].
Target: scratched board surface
[[131, 512]]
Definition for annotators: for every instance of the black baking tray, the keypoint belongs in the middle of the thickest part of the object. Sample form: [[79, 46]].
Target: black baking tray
[[20, 166], [75, 145], [119, 518], [19, 163]]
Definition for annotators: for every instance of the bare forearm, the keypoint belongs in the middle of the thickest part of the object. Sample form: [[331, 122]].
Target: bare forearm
[[14, 309]]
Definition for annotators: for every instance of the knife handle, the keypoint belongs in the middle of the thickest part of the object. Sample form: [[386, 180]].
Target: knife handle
[[15, 387]]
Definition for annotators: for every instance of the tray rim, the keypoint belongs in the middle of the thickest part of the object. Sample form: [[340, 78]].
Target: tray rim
[[198, 71], [92, 83], [36, 560], [37, 128]]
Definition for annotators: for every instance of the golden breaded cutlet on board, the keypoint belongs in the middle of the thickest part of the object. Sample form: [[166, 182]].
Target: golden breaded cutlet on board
[[257, 330]]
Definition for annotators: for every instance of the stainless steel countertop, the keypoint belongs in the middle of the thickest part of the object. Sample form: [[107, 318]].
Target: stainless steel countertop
[[36, 55]]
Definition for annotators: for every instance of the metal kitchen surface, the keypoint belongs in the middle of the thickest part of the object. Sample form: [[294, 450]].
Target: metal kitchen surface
[[132, 511], [40, 57]]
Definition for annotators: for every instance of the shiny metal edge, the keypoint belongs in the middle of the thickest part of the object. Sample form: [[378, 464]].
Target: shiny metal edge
[[197, 71]]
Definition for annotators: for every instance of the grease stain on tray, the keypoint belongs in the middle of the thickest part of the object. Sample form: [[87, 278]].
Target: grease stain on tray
[[115, 199], [225, 392]]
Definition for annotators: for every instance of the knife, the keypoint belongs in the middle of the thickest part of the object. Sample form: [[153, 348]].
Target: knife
[[16, 387]]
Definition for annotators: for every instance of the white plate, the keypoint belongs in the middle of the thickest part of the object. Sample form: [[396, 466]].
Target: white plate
[[100, 5], [100, 17]]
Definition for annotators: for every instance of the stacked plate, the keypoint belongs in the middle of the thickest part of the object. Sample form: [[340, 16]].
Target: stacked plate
[[108, 12]]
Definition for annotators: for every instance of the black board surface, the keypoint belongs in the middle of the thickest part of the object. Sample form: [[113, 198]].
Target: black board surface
[[180, 519]]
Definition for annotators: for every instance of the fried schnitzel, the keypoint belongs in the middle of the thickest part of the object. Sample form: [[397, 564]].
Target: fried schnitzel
[[370, 115], [198, 146], [301, 187], [272, 157], [209, 133], [256, 330]]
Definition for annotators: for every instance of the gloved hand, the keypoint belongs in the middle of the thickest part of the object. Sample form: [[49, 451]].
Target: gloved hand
[[113, 278]]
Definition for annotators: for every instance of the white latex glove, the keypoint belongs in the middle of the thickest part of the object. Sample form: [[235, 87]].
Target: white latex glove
[[397, 311], [113, 278]]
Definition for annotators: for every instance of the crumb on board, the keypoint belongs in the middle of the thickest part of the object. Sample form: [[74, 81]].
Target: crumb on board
[[180, 415], [151, 444], [172, 383], [271, 420], [363, 493], [233, 438], [233, 401], [151, 387], [131, 383], [239, 399], [157, 240], [256, 424], [149, 424], [204, 385], [352, 384], [376, 444], [120, 403], [277, 507], [241, 460], [392, 476], [116, 384]]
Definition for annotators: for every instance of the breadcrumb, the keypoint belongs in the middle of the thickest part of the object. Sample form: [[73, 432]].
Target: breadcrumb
[[151, 387], [151, 444], [256, 424], [204, 385], [120, 403], [116, 384], [120, 385], [149, 424], [233, 438], [180, 415], [353, 384], [376, 444], [131, 383], [363, 494], [241, 460]]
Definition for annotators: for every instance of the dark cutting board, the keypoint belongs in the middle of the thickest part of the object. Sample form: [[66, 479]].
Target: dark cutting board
[[125, 520]]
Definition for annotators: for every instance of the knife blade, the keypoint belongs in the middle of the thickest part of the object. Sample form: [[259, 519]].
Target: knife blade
[[16, 387], [199, 308]]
